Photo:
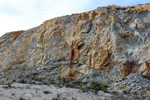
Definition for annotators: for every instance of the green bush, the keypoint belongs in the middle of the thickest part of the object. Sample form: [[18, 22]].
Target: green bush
[[50, 81], [125, 92], [93, 84], [14, 80], [22, 81], [21, 98], [148, 88], [46, 92], [83, 88], [101, 86], [22, 70], [54, 98], [9, 85]]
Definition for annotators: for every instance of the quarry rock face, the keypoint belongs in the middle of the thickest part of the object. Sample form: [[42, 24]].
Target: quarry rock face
[[102, 45]]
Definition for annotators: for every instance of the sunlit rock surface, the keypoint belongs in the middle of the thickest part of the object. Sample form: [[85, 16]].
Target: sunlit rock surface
[[102, 45]]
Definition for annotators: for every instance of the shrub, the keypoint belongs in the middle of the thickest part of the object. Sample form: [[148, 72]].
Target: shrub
[[9, 85], [54, 98], [84, 88], [101, 86], [32, 76], [148, 88], [50, 81], [63, 79], [29, 68], [37, 83], [46, 92], [21, 98], [22, 70], [125, 92], [135, 93], [14, 80], [58, 95], [37, 78], [93, 84], [22, 81], [115, 92]]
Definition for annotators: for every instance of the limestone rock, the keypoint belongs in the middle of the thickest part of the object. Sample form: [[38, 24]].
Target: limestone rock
[[101, 45]]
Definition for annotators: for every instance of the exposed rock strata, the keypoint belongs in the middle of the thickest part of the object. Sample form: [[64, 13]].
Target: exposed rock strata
[[102, 45]]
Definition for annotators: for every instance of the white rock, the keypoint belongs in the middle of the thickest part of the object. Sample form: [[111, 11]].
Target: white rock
[[28, 95], [132, 25], [116, 84], [132, 85], [140, 26]]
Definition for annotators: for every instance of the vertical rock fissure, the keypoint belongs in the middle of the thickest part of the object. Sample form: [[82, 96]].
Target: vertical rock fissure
[[70, 72]]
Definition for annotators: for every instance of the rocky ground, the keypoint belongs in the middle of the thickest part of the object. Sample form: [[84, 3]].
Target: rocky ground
[[19, 91], [132, 83], [120, 90]]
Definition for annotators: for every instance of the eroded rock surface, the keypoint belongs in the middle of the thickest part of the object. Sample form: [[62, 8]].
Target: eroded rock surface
[[102, 45]]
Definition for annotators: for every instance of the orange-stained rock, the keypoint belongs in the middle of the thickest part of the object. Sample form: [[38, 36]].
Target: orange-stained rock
[[88, 46]]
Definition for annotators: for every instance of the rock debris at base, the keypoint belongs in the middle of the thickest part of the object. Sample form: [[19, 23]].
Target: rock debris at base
[[43, 92]]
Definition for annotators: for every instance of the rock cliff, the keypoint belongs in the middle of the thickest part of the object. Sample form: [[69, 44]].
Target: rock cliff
[[103, 46]]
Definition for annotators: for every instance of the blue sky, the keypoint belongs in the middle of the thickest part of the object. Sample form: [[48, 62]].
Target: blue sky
[[24, 14]]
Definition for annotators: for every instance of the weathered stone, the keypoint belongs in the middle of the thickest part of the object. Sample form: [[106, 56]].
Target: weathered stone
[[132, 25], [132, 85], [140, 26], [102, 45], [116, 84]]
